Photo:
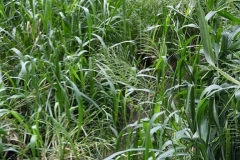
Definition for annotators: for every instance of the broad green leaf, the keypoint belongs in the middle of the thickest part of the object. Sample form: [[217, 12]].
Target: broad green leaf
[[229, 16], [205, 36], [202, 119]]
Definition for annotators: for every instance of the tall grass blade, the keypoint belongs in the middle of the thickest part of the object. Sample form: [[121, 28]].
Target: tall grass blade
[[228, 144], [147, 125], [205, 36], [124, 20]]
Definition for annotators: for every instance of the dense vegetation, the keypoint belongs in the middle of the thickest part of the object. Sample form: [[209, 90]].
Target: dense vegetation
[[119, 79]]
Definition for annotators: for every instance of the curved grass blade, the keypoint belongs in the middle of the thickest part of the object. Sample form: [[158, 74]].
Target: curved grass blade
[[229, 16], [227, 76], [129, 150], [20, 120]]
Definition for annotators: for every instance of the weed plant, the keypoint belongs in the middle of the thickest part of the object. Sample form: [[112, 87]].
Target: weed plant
[[119, 79]]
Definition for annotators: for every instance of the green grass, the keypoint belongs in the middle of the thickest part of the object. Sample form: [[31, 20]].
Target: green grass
[[119, 79]]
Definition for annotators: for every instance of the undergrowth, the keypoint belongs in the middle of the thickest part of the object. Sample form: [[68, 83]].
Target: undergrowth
[[119, 79]]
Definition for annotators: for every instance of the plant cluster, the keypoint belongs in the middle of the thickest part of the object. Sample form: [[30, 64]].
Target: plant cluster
[[119, 79]]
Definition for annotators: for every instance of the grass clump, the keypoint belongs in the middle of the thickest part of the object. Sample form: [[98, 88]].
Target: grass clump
[[119, 79]]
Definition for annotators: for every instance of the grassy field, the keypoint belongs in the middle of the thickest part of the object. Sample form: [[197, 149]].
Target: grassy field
[[119, 79]]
